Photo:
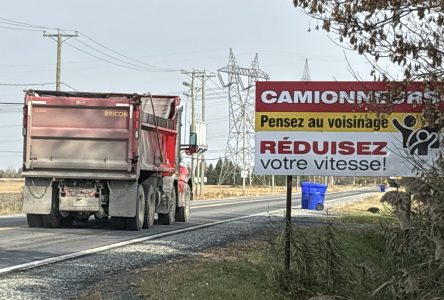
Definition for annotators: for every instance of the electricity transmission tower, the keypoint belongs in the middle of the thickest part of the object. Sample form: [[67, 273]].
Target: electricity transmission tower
[[306, 74], [240, 145]]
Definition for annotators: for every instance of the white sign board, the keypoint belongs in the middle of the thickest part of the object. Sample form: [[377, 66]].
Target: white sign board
[[329, 128]]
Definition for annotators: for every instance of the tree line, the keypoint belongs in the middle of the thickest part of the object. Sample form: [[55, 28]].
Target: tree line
[[213, 174]]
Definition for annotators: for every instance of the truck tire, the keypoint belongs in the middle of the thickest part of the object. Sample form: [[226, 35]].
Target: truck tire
[[150, 205], [34, 220], [53, 219], [118, 223], [67, 221], [169, 218], [136, 222], [182, 213]]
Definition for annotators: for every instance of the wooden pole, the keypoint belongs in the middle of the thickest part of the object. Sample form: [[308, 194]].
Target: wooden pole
[[288, 224]]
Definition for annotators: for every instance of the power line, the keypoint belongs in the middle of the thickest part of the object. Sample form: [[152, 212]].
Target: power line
[[67, 85], [106, 60], [37, 84], [221, 157], [26, 84], [17, 23], [107, 55], [122, 60], [127, 57], [19, 29], [146, 67]]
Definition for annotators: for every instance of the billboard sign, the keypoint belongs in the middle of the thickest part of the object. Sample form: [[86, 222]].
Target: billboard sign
[[332, 128]]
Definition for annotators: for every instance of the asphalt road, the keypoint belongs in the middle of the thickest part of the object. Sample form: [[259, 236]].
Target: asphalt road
[[20, 244]]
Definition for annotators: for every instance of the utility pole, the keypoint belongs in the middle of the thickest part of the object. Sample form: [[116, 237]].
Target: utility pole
[[193, 124], [198, 126], [202, 156], [205, 77], [194, 158], [58, 37]]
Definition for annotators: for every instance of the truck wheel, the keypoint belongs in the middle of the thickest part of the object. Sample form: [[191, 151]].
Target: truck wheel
[[136, 223], [150, 205], [67, 221], [53, 219], [169, 218], [34, 220], [182, 213], [118, 223]]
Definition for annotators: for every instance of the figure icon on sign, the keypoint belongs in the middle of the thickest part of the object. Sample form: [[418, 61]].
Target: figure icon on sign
[[421, 140], [418, 141], [406, 129]]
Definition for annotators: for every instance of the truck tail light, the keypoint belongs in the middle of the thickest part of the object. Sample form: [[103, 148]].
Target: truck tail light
[[25, 119], [136, 129], [136, 122]]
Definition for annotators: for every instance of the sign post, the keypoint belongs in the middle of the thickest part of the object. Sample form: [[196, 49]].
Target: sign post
[[288, 224]]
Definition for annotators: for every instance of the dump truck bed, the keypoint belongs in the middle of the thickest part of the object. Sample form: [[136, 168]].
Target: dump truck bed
[[97, 135]]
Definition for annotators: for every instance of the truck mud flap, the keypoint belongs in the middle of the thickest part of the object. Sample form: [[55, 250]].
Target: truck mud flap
[[37, 195], [122, 198], [167, 186]]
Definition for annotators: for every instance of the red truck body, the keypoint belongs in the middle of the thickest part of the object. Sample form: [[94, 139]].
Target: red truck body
[[101, 153]]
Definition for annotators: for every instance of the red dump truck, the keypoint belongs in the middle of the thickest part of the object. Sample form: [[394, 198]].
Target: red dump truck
[[104, 154]]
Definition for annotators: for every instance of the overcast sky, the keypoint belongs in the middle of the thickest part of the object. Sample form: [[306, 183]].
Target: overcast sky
[[175, 34]]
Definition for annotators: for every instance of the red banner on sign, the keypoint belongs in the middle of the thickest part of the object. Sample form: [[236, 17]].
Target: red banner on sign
[[332, 96]]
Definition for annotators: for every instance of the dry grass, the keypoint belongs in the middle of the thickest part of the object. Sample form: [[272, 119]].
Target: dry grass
[[226, 191], [11, 195], [11, 185], [361, 207]]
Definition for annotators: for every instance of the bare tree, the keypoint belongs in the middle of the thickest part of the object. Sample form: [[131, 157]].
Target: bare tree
[[410, 35]]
